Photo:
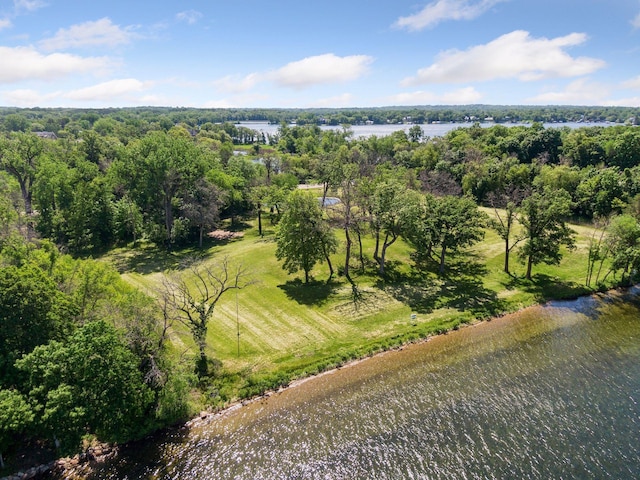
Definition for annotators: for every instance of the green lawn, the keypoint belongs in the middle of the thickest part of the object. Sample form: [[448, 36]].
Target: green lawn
[[288, 329]]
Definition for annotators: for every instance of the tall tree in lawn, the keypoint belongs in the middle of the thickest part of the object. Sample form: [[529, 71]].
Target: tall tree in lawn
[[505, 203], [303, 236], [387, 202], [196, 301], [542, 217], [458, 224], [419, 224]]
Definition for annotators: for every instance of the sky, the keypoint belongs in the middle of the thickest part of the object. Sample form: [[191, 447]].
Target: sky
[[307, 53]]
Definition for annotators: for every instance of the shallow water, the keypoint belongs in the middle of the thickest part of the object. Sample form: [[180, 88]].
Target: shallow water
[[550, 392]]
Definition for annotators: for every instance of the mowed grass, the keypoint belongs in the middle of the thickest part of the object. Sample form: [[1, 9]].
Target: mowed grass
[[289, 330]]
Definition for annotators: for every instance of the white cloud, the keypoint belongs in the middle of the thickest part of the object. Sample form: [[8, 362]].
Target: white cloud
[[632, 83], [513, 55], [189, 16], [321, 69], [89, 34], [110, 90], [442, 10], [4, 23], [578, 92], [462, 96], [317, 70], [624, 102], [25, 63], [636, 21], [27, 98], [237, 84], [28, 5]]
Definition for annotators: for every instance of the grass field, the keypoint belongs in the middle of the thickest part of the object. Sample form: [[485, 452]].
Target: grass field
[[290, 330]]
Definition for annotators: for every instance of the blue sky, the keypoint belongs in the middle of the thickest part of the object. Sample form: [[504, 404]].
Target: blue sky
[[331, 53]]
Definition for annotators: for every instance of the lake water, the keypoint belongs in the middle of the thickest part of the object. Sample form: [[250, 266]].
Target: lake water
[[548, 393], [430, 130]]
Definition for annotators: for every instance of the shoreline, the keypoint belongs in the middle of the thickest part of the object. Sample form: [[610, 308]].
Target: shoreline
[[78, 465], [206, 417]]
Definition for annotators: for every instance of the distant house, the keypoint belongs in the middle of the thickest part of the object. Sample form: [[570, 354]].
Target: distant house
[[47, 135]]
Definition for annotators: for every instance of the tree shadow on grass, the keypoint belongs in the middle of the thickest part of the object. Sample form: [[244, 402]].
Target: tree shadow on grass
[[545, 287], [313, 293], [461, 288]]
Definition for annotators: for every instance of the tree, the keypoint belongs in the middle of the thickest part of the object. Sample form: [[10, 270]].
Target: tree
[[201, 206], [19, 156], [457, 223], [32, 312], [159, 170], [303, 235], [387, 202], [88, 384], [15, 416], [623, 241], [545, 231], [505, 206], [196, 304]]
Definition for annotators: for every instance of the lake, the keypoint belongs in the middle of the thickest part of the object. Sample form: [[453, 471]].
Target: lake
[[430, 130], [549, 392]]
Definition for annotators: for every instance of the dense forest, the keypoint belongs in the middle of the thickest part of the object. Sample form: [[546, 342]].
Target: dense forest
[[85, 355]]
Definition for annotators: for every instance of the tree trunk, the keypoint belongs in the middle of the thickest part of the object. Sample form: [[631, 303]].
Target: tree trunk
[[168, 217], [201, 234], [260, 220], [347, 255], [529, 265], [443, 253], [361, 252], [506, 255]]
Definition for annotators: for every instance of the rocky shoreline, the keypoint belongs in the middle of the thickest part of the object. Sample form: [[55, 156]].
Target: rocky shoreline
[[75, 467]]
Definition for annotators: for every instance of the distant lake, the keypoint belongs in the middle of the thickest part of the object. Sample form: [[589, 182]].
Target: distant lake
[[430, 129]]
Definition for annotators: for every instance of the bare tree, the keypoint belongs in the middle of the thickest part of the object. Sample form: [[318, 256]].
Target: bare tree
[[196, 299]]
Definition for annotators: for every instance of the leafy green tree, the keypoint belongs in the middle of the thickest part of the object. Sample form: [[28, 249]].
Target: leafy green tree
[[542, 217], [505, 206], [387, 201], [32, 312], [90, 384], [623, 241], [201, 205], [15, 416], [458, 223], [157, 171], [303, 235]]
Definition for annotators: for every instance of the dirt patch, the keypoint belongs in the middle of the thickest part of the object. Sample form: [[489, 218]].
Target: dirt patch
[[224, 235]]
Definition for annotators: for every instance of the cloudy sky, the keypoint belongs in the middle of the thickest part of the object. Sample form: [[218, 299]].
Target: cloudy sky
[[307, 53]]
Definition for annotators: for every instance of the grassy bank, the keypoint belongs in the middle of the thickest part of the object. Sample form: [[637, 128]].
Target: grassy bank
[[290, 330]]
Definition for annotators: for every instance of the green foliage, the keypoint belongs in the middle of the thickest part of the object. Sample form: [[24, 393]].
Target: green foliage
[[32, 312], [545, 231], [623, 241], [303, 236], [16, 415], [88, 384]]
